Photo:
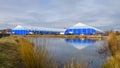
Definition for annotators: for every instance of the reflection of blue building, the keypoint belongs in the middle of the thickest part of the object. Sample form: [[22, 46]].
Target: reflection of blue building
[[80, 43]]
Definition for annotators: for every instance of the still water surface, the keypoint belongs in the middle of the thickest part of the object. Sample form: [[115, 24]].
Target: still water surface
[[64, 49]]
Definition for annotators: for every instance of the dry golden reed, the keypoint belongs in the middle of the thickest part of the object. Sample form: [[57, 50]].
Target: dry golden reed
[[112, 42], [33, 58], [114, 60], [39, 57], [75, 64]]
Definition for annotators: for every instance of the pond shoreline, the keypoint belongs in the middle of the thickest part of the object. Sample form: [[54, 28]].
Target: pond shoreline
[[13, 38], [9, 54], [94, 37]]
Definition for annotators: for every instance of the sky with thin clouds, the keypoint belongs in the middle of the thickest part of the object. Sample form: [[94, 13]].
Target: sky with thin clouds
[[103, 14]]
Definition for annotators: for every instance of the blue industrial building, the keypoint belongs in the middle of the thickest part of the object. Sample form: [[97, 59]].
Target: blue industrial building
[[82, 29], [76, 29], [20, 30]]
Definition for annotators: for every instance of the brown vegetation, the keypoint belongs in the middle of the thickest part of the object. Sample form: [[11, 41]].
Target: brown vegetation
[[114, 46], [34, 58], [16, 52], [66, 36], [112, 42], [9, 55]]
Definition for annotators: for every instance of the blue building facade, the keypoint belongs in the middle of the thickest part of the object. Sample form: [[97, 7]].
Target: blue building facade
[[80, 29], [19, 30]]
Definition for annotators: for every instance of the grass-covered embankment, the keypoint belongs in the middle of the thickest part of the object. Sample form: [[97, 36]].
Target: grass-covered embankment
[[65, 36], [34, 58], [9, 55], [114, 46], [39, 57], [16, 52]]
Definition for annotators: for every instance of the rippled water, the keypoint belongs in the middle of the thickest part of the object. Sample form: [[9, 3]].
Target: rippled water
[[64, 49]]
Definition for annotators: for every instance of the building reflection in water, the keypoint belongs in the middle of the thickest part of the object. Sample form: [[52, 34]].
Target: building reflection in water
[[80, 43]]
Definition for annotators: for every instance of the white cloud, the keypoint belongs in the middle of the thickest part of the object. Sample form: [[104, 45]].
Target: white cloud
[[60, 13]]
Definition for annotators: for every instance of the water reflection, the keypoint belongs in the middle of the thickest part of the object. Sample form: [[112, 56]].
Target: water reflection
[[80, 43], [64, 49]]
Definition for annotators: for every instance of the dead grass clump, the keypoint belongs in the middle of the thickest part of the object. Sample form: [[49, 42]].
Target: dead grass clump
[[112, 43], [114, 60], [9, 55], [34, 58]]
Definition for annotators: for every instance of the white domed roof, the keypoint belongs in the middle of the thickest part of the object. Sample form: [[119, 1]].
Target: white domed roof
[[19, 28], [81, 25]]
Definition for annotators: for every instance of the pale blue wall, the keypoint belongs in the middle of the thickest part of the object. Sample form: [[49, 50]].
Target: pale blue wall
[[81, 31]]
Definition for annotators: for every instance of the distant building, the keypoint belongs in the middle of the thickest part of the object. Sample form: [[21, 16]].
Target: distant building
[[20, 30], [82, 29]]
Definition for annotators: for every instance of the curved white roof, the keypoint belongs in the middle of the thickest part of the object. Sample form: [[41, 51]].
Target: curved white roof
[[37, 28], [44, 29], [19, 28], [81, 25]]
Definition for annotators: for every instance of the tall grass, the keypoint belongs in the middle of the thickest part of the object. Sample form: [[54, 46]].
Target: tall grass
[[75, 64], [112, 42], [34, 58], [114, 60], [16, 52], [9, 55], [39, 57]]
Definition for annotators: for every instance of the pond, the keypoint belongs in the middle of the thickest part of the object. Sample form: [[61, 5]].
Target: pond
[[64, 49]]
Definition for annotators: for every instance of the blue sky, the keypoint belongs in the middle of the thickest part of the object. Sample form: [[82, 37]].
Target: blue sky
[[103, 14]]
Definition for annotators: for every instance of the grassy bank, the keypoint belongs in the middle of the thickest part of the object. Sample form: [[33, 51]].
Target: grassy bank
[[39, 57], [114, 46], [34, 58], [9, 55], [66, 36], [16, 52]]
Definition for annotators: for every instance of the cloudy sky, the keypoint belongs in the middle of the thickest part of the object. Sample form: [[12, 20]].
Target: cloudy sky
[[103, 14]]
